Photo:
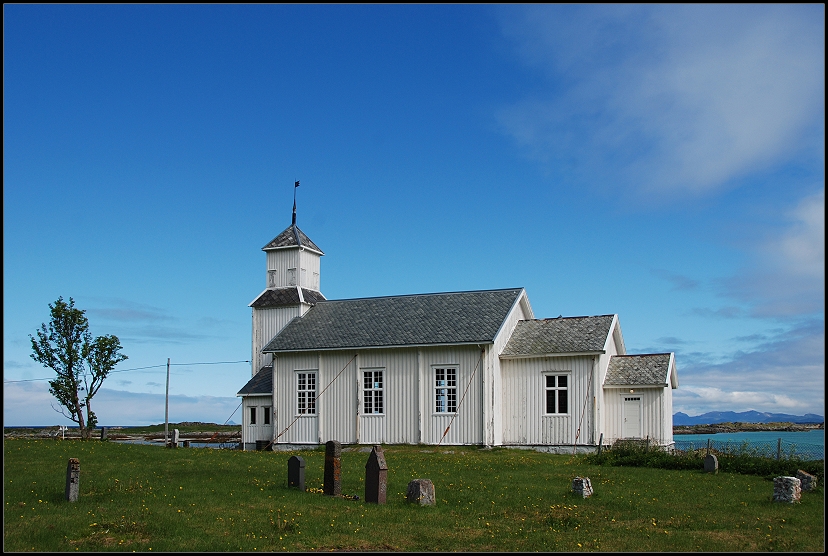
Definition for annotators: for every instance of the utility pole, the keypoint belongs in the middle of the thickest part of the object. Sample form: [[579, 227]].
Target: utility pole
[[167, 408]]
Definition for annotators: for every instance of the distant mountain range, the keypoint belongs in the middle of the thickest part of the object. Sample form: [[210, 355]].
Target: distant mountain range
[[714, 417]]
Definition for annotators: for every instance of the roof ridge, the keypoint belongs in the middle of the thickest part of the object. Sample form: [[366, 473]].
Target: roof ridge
[[574, 317], [421, 294]]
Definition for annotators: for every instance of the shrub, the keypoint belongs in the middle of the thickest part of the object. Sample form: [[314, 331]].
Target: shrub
[[740, 460]]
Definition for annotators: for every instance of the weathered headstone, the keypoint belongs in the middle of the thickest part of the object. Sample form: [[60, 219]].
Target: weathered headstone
[[711, 464], [582, 487], [421, 491], [786, 489], [333, 479], [103, 433], [296, 472], [175, 438], [376, 477], [73, 480], [806, 480]]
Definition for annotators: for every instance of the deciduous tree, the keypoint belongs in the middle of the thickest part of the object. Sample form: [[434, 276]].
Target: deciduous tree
[[81, 363]]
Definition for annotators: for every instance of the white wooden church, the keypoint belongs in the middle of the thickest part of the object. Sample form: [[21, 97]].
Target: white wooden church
[[467, 368]]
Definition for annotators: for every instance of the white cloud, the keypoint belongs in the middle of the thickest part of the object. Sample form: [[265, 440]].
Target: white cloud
[[787, 273], [671, 99], [786, 374]]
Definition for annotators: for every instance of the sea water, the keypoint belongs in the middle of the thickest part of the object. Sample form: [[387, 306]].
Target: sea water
[[812, 437]]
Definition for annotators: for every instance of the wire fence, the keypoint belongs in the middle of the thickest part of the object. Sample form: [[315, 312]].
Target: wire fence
[[781, 449]]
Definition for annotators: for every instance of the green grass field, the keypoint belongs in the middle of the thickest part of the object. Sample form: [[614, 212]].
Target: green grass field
[[148, 498]]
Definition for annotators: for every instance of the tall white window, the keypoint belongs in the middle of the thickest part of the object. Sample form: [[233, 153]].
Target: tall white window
[[445, 389], [557, 394], [372, 390], [306, 393]]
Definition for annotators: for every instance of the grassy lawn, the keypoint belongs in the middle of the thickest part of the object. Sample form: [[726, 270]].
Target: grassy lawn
[[148, 498]]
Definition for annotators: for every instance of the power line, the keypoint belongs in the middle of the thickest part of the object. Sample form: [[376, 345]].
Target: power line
[[139, 369]]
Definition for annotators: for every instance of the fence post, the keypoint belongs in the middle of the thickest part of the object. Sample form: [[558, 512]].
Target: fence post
[[708, 447], [779, 448], [600, 442]]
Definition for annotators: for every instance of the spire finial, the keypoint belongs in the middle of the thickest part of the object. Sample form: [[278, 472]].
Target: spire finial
[[295, 185]]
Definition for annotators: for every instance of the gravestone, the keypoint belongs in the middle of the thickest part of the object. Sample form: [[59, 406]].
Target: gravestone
[[103, 433], [421, 491], [175, 438], [73, 480], [376, 477], [582, 487], [786, 489], [296, 472], [806, 480], [333, 479], [711, 464]]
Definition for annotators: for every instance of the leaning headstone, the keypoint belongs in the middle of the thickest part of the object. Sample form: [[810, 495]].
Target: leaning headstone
[[786, 489], [296, 472], [376, 477], [806, 480], [72, 480], [421, 491], [711, 464], [582, 487], [333, 479], [103, 433]]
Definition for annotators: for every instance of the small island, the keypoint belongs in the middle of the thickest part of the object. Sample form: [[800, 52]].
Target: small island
[[746, 427]]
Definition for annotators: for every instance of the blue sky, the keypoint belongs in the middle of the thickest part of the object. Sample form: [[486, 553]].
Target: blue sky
[[665, 163]]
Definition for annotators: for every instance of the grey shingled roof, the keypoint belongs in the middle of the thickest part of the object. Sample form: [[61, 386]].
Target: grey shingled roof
[[407, 320], [280, 297], [261, 383], [628, 370], [289, 237], [560, 335]]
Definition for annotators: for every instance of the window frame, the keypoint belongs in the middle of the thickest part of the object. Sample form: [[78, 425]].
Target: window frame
[[373, 393], [558, 390], [300, 394], [266, 411], [450, 392], [252, 414]]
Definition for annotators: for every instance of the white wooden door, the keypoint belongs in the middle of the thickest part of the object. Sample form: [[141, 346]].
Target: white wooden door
[[632, 416]]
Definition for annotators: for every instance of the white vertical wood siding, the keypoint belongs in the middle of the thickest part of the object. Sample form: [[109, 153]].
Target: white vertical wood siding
[[524, 397], [266, 324], [399, 422], [278, 263], [493, 384], [310, 263], [654, 413], [259, 431], [611, 348], [337, 405], [304, 429], [467, 427]]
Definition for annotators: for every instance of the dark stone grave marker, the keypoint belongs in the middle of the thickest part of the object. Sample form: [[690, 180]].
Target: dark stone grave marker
[[711, 464], [376, 476], [72, 480], [296, 472], [333, 479]]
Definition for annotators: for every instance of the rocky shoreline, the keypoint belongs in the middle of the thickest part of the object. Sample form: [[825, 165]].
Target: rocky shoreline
[[747, 427]]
